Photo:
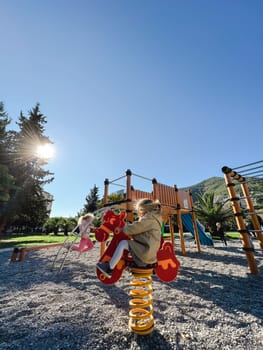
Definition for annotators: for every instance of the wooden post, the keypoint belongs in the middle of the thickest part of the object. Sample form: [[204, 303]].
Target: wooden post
[[129, 205], [253, 215], [105, 201], [228, 173], [197, 240], [171, 228], [156, 194], [179, 222]]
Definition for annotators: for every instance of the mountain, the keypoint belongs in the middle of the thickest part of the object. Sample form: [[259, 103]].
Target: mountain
[[218, 186]]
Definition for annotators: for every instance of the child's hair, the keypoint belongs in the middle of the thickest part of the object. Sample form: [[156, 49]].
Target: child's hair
[[89, 216], [148, 205]]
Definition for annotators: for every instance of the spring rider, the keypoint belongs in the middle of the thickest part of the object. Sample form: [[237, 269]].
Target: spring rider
[[141, 313]]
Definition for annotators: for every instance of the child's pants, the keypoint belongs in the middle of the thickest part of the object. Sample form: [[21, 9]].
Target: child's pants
[[123, 245], [85, 244]]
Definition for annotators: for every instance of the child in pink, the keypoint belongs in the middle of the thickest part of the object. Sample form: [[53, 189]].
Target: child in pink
[[85, 243]]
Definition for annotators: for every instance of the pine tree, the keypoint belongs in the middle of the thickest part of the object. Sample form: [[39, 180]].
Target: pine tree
[[6, 179], [4, 121], [91, 201], [28, 203]]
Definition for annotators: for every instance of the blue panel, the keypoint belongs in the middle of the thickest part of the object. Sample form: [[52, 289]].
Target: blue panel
[[203, 237]]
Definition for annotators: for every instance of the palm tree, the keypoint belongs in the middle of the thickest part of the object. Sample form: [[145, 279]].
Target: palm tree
[[209, 211], [67, 224], [52, 225]]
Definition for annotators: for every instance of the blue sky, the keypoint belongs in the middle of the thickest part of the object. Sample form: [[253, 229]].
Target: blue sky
[[169, 89]]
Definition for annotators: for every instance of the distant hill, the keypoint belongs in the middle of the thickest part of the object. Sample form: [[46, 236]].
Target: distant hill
[[218, 186]]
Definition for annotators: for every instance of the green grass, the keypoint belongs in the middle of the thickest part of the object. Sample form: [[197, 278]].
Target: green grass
[[233, 235], [21, 241], [31, 240], [27, 240]]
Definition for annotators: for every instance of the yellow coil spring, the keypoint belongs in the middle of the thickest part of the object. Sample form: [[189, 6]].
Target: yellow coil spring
[[141, 313]]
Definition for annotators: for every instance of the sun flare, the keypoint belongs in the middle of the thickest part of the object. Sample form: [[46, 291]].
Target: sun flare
[[45, 151]]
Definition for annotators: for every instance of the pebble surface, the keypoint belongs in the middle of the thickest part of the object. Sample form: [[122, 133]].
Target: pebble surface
[[214, 303]]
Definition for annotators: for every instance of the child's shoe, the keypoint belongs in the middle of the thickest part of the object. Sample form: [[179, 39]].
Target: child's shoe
[[104, 267]]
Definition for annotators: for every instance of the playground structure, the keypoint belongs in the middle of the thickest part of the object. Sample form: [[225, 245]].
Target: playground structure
[[173, 202], [232, 179]]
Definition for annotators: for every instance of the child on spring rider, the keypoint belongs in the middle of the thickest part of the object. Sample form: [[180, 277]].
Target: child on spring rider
[[145, 237]]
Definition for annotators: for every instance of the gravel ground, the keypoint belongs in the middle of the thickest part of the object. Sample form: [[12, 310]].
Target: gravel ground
[[215, 303]]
